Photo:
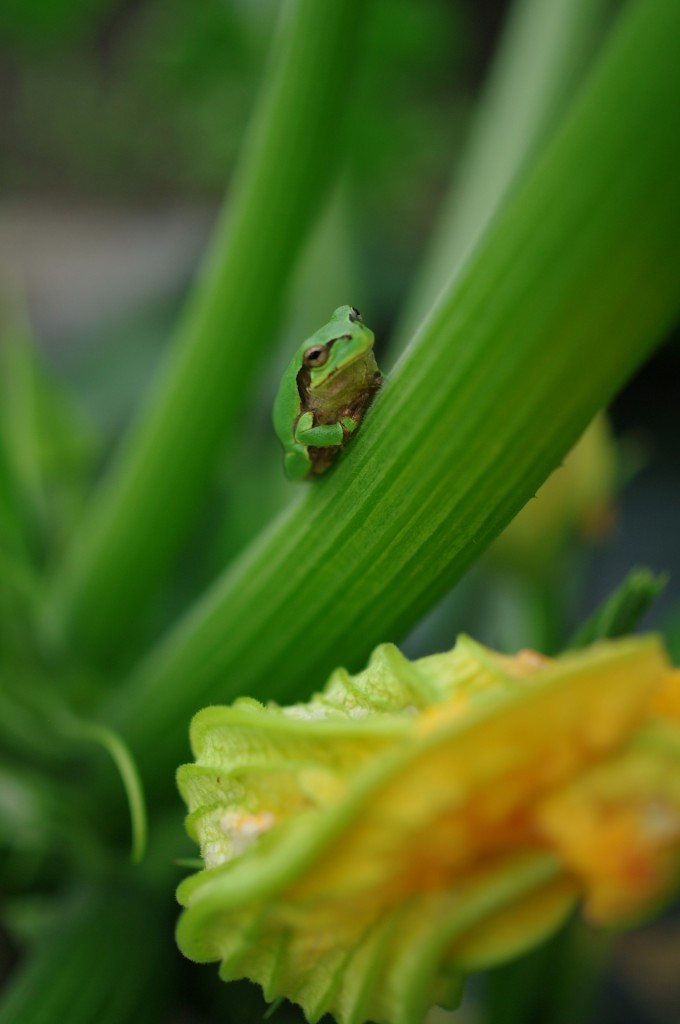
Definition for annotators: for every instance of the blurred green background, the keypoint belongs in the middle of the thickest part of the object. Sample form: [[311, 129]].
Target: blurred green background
[[121, 123]]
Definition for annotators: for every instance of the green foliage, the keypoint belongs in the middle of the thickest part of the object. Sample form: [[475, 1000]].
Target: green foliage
[[112, 982], [131, 599]]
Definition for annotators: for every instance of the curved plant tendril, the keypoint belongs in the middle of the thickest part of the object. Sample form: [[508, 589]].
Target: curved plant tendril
[[129, 775]]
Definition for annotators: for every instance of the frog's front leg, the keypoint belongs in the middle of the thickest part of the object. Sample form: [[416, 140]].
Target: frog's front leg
[[297, 462], [323, 435]]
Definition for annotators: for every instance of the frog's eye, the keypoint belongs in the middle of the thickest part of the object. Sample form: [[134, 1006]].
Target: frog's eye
[[316, 355], [354, 314]]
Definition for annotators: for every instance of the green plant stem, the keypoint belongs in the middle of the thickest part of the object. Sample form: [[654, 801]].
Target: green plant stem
[[623, 609], [146, 502], [541, 59], [571, 288]]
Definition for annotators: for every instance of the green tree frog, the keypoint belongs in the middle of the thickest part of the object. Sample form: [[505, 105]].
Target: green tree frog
[[324, 393]]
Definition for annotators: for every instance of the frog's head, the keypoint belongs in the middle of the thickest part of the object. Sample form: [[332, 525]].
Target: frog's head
[[342, 343]]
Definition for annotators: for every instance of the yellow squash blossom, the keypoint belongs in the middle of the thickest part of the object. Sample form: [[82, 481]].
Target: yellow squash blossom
[[423, 819]]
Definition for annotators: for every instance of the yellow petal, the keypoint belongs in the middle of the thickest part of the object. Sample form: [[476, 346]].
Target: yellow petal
[[618, 826]]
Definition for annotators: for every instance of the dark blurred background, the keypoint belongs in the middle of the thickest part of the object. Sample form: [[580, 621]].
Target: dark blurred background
[[121, 123]]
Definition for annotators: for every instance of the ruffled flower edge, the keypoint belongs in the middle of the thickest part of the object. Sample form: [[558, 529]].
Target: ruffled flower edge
[[423, 819]]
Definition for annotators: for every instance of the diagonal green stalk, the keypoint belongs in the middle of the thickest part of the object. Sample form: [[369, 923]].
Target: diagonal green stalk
[[145, 504], [569, 290], [540, 61]]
